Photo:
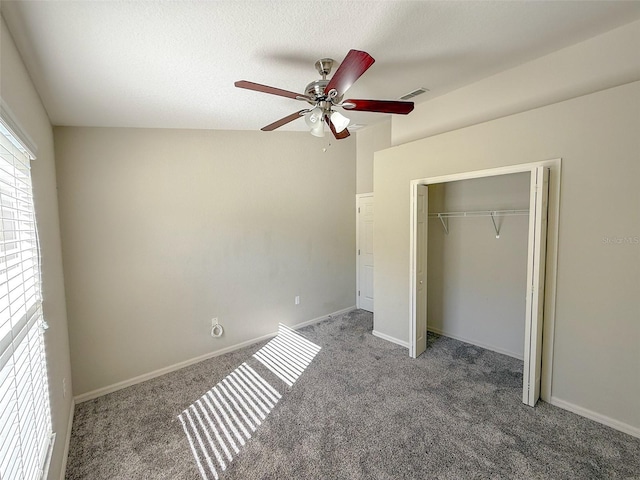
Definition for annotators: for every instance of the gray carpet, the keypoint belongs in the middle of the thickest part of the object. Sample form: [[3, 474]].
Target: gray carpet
[[361, 409]]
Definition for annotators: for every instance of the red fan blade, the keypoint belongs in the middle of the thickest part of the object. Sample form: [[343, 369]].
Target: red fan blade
[[282, 121], [352, 67], [272, 90], [381, 106], [339, 136]]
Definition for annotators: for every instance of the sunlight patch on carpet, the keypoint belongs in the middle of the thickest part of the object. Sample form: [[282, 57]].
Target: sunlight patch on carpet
[[219, 423], [287, 355]]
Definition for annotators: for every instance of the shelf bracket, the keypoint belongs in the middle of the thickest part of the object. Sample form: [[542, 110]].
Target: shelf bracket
[[495, 226], [444, 224]]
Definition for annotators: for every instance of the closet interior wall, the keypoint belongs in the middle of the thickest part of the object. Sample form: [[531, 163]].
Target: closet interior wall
[[476, 283]]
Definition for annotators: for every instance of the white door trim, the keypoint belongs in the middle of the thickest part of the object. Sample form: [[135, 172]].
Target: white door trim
[[534, 303], [359, 196], [551, 253], [419, 341]]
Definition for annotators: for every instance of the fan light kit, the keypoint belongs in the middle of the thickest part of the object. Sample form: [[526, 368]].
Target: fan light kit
[[325, 94]]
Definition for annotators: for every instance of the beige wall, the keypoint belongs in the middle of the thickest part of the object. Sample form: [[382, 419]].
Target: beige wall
[[596, 356], [368, 141], [476, 283], [601, 62], [165, 229], [19, 94]]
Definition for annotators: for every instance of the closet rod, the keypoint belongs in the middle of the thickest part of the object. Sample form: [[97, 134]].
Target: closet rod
[[480, 213]]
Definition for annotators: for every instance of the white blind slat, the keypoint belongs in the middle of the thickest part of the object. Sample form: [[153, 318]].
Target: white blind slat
[[10, 445], [25, 428]]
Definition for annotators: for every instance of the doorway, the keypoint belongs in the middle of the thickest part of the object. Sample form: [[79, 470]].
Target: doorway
[[536, 264], [364, 243]]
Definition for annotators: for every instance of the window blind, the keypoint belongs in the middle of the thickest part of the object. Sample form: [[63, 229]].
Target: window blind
[[25, 418]]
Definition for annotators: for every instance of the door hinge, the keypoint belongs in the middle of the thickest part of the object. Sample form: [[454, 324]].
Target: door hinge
[[358, 251], [358, 292], [358, 209]]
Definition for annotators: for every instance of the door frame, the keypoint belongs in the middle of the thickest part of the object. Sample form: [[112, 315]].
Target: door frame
[[551, 259], [359, 196]]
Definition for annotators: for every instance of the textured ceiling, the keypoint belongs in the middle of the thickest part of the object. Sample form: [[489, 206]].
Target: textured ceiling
[[173, 64]]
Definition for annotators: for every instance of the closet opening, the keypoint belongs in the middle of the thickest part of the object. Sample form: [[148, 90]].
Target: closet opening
[[478, 263]]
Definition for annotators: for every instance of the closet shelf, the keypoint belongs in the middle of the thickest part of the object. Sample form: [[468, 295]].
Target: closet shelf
[[445, 216]]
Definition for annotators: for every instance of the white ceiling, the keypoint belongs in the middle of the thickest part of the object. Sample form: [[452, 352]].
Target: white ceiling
[[173, 64]]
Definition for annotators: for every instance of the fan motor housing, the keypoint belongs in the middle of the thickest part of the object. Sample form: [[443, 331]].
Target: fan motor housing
[[317, 90]]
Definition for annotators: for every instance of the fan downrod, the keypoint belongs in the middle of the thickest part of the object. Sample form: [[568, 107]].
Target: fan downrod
[[323, 66]]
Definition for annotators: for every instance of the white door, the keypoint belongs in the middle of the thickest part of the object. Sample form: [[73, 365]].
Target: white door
[[421, 211], [365, 252], [538, 206]]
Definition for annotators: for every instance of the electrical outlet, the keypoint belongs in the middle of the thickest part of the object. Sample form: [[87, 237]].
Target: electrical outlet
[[297, 300], [64, 388]]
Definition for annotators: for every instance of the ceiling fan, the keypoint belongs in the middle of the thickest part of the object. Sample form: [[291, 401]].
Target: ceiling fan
[[324, 95]]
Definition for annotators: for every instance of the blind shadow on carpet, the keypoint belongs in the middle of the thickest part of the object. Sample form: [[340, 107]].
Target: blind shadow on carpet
[[222, 420]]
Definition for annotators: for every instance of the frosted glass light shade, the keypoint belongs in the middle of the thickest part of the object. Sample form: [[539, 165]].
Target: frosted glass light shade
[[315, 122], [340, 122], [314, 117], [318, 129]]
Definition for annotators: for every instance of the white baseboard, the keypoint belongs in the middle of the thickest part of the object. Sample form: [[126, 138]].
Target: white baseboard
[[67, 441], [172, 368], [323, 318], [475, 342], [391, 339], [597, 417]]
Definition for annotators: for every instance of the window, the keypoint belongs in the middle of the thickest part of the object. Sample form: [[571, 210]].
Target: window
[[25, 418]]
